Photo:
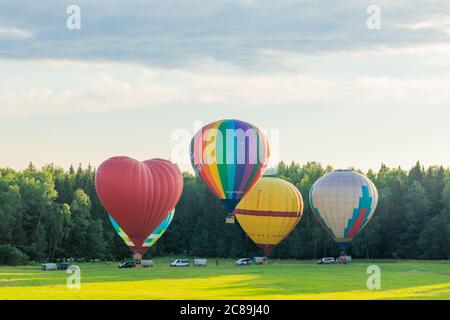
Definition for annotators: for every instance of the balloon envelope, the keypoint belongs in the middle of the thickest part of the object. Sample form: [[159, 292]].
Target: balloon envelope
[[151, 239], [270, 211], [230, 156], [138, 195], [343, 202]]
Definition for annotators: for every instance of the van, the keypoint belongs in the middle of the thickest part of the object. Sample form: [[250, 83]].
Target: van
[[49, 266], [200, 262], [260, 260], [147, 263], [180, 263]]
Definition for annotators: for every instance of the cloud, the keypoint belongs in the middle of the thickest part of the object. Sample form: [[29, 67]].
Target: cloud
[[178, 33], [96, 88], [10, 32], [143, 54]]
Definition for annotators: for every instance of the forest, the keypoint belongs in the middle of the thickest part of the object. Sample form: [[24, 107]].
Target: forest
[[50, 213]]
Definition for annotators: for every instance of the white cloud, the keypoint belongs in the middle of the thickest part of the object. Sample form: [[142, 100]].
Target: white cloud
[[11, 32], [176, 32], [437, 22], [77, 88]]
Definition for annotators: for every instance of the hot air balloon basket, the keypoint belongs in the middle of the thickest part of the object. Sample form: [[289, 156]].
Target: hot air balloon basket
[[230, 219]]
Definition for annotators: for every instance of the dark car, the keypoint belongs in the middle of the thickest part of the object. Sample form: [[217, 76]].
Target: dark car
[[63, 266], [127, 264]]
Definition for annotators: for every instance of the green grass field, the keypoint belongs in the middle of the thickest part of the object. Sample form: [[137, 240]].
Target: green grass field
[[286, 279]]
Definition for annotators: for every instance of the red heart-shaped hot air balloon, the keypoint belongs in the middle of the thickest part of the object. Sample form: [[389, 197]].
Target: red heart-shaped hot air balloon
[[138, 195]]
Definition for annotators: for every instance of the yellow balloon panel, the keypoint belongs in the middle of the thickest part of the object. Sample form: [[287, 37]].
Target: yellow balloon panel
[[266, 230], [270, 211]]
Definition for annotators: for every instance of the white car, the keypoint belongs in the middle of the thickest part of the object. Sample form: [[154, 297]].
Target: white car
[[329, 260], [243, 262], [180, 263]]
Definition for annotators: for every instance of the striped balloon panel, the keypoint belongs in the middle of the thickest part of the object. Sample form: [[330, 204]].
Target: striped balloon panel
[[343, 203], [155, 235], [152, 238], [120, 232], [230, 156]]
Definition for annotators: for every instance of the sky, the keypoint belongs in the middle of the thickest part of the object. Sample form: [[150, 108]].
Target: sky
[[139, 77]]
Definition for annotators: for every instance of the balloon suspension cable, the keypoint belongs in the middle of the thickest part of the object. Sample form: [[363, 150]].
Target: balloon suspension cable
[[137, 257], [267, 248]]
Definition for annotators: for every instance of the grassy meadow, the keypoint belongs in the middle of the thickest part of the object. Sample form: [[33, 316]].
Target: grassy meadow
[[285, 279]]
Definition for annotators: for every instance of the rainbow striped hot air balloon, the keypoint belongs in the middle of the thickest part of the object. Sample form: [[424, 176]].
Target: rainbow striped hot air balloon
[[230, 156], [343, 202], [270, 211]]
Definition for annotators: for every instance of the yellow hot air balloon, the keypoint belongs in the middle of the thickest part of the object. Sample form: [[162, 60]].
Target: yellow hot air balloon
[[270, 211]]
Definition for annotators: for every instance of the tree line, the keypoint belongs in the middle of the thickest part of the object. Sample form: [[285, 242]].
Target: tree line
[[50, 213]]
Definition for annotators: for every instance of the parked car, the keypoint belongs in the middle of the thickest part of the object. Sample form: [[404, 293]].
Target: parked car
[[243, 262], [200, 262], [260, 260], [49, 266], [180, 263], [127, 264], [147, 263], [63, 266], [328, 260]]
